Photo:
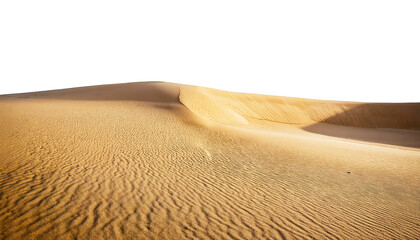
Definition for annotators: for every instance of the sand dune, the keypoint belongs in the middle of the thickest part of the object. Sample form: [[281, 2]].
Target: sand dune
[[167, 161]]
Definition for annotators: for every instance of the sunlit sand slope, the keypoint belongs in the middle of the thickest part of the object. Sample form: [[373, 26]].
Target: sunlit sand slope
[[131, 161], [229, 107]]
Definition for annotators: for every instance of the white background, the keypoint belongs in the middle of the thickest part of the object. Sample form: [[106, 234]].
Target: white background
[[342, 50]]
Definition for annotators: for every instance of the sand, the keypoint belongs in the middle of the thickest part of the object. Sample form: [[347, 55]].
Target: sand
[[166, 161]]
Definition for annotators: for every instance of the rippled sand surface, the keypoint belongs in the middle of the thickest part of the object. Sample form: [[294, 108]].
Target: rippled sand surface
[[167, 161]]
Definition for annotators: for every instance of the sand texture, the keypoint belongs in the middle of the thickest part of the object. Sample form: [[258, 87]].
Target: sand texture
[[166, 161]]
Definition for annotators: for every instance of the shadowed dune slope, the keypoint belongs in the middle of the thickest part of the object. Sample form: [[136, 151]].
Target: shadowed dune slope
[[167, 161], [141, 91], [229, 107]]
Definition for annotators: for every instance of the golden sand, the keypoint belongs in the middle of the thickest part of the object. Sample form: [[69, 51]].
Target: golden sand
[[166, 161]]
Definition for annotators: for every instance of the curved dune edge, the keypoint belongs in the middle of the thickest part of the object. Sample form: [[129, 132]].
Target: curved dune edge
[[198, 101], [235, 108]]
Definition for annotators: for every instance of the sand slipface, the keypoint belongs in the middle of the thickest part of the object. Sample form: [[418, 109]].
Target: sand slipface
[[167, 161]]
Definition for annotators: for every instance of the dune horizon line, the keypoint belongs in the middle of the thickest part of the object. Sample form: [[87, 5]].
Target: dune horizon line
[[234, 108], [214, 88]]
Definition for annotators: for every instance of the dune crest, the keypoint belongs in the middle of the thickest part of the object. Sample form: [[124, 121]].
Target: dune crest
[[235, 108]]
